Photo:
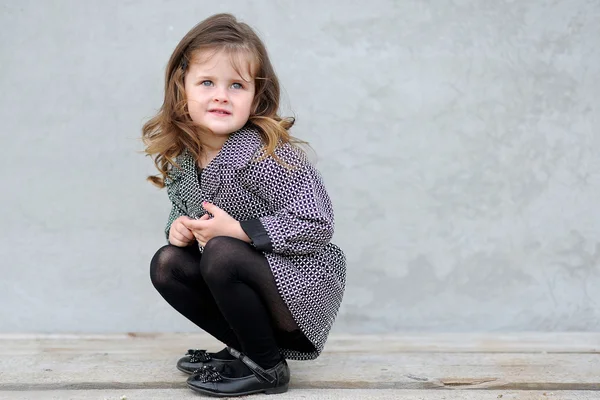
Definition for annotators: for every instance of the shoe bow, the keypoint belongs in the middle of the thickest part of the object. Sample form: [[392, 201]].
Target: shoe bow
[[198, 355], [207, 373]]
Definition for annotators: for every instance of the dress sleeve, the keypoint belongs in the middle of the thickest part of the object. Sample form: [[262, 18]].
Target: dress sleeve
[[175, 213], [302, 218], [177, 208]]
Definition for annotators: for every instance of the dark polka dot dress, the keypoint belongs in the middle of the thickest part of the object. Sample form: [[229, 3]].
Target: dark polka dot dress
[[285, 210]]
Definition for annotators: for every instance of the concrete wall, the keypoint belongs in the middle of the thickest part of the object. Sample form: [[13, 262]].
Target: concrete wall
[[459, 140]]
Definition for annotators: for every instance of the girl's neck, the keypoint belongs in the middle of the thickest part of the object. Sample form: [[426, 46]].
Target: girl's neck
[[214, 143], [210, 148]]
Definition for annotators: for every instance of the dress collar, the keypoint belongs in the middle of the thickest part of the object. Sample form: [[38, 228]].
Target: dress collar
[[239, 148], [237, 151]]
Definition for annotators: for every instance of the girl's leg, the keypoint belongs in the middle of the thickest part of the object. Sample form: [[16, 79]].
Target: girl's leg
[[175, 273], [241, 282]]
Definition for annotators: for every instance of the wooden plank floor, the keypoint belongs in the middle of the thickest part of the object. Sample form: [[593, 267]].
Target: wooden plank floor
[[431, 366]]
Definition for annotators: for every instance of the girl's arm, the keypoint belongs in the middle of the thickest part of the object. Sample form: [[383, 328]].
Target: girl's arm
[[302, 221]]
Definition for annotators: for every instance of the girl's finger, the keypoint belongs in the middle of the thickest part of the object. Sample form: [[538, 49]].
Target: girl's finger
[[176, 242], [201, 238], [179, 239], [176, 233], [185, 232], [193, 224]]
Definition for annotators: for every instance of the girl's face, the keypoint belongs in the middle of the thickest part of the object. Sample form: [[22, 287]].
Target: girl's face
[[218, 97]]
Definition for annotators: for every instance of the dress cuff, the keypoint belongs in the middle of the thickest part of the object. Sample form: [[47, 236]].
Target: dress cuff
[[257, 233]]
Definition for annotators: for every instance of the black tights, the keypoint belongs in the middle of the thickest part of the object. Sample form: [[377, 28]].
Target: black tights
[[229, 291]]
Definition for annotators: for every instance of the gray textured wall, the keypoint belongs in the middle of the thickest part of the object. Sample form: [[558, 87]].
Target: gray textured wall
[[459, 140]]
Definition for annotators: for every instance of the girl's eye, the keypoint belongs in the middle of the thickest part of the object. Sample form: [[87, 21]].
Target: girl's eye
[[237, 86], [206, 83]]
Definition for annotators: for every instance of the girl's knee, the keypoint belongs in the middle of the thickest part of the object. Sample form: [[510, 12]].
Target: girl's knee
[[219, 244], [219, 259], [162, 264]]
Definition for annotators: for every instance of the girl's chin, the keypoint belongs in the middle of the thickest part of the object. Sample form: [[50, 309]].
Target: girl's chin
[[221, 132]]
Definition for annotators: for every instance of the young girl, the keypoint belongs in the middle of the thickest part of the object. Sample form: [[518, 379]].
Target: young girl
[[249, 258]]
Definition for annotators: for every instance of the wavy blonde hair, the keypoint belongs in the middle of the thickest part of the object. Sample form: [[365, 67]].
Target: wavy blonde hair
[[171, 130]]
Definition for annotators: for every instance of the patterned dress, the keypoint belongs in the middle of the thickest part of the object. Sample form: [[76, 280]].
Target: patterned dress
[[286, 212]]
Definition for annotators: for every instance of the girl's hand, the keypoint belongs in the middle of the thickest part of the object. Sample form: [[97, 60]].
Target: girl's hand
[[179, 235], [222, 224]]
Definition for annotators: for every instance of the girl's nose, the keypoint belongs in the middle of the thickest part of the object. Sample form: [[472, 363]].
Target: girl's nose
[[221, 96]]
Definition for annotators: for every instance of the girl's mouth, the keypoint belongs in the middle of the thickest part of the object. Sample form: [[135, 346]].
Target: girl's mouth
[[219, 111]]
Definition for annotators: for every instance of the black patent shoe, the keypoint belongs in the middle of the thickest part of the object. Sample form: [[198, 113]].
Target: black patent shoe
[[209, 380], [195, 359]]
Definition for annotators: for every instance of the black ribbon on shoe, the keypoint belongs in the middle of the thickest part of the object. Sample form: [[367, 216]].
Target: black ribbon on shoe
[[198, 355], [207, 373]]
